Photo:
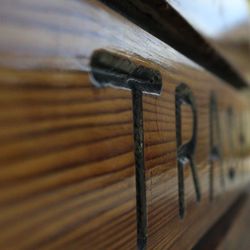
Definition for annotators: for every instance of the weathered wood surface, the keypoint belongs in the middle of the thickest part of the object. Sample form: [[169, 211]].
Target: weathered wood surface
[[67, 170], [63, 34]]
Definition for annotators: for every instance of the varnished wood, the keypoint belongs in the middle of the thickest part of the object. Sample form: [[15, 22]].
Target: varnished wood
[[175, 23], [59, 30], [67, 170]]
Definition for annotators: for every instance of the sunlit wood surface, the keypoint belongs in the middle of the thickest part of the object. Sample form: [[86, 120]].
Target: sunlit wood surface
[[67, 170]]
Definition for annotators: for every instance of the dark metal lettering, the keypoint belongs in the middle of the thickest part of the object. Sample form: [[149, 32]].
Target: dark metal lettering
[[108, 69], [185, 152], [242, 142], [230, 116], [215, 144]]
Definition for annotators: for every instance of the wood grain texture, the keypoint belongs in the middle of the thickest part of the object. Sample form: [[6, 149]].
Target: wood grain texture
[[66, 148], [60, 176], [174, 27], [67, 166], [58, 31], [63, 34]]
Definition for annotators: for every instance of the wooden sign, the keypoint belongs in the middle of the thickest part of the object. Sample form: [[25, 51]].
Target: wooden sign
[[108, 141]]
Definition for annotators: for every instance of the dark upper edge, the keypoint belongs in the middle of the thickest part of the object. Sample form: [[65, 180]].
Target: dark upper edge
[[162, 21], [109, 69]]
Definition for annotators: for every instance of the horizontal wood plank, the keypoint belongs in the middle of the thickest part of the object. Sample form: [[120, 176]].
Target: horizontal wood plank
[[67, 166]]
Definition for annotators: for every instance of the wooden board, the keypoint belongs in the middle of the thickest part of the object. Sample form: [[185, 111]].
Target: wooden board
[[67, 166], [176, 24]]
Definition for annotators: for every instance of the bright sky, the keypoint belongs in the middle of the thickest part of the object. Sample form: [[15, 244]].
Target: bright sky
[[213, 17]]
